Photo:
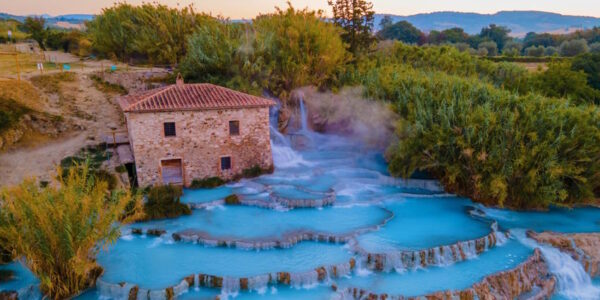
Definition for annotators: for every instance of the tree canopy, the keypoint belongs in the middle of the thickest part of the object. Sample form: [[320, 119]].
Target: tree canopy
[[356, 18]]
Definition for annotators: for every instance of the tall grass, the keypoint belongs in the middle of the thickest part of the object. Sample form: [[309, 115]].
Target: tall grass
[[59, 229], [492, 145]]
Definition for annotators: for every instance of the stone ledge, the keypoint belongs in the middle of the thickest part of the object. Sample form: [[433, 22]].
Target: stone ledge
[[436, 256], [583, 247], [226, 284], [530, 277]]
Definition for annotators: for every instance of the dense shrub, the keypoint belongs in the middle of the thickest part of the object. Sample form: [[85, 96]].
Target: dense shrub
[[446, 59], [551, 51], [491, 145], [559, 80], [10, 113], [59, 229], [108, 87], [590, 64], [232, 200], [280, 52], [164, 202], [209, 182], [255, 171], [151, 32], [491, 47], [573, 47], [535, 51]]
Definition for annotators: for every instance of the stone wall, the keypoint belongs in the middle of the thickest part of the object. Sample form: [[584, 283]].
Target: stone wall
[[202, 139]]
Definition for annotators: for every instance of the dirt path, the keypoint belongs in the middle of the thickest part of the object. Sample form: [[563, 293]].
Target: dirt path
[[38, 162], [81, 104]]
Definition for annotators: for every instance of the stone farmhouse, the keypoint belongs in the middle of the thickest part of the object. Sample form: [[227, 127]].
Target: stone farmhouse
[[183, 132]]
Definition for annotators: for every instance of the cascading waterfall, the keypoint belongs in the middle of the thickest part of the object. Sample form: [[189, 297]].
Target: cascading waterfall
[[306, 279], [303, 116], [283, 154], [573, 281]]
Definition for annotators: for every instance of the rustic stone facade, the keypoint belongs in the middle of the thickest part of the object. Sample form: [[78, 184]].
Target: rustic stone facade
[[202, 138]]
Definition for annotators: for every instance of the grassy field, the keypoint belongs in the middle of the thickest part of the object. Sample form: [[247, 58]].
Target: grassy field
[[11, 25], [27, 62]]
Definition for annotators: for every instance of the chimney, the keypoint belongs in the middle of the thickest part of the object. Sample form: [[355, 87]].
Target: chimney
[[179, 80]]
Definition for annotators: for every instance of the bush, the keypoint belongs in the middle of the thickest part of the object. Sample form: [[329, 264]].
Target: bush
[[491, 47], [512, 49], [10, 113], [590, 64], [551, 51], [492, 145], [209, 182], [255, 171], [58, 230], [232, 200], [108, 87], [164, 202], [559, 80], [573, 47], [535, 51], [595, 48]]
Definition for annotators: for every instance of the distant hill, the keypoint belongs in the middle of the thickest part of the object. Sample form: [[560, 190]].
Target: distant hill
[[63, 21], [520, 22]]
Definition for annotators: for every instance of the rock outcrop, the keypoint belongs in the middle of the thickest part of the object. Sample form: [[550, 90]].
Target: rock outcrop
[[583, 247]]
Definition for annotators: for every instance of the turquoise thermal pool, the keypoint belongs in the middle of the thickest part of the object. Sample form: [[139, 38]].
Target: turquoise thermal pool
[[318, 220]]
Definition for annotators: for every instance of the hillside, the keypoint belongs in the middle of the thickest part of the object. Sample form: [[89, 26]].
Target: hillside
[[62, 21], [520, 22]]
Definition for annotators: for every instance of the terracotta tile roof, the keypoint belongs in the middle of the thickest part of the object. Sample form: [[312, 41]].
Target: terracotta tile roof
[[200, 96]]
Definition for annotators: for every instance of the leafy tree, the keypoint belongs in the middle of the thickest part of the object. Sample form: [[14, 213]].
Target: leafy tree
[[497, 34], [542, 39], [595, 47], [462, 47], [386, 21], [402, 31], [435, 37], [512, 48], [535, 51], [491, 47], [60, 228], [589, 63], [482, 51], [213, 53], [293, 48], [455, 35], [151, 32], [36, 27], [573, 47], [356, 18], [550, 51], [54, 39]]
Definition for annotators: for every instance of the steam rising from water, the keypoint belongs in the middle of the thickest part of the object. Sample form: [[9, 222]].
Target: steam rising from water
[[347, 113]]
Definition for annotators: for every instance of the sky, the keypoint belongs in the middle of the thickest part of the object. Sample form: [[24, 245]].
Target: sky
[[247, 9]]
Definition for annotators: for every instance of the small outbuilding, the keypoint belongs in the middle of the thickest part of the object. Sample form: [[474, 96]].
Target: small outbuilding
[[183, 132]]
